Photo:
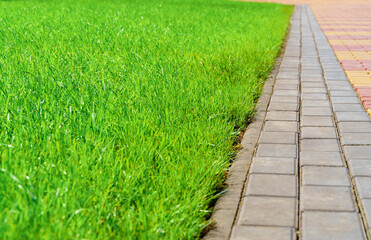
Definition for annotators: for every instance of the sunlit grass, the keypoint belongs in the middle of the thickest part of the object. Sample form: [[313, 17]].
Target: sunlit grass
[[117, 118]]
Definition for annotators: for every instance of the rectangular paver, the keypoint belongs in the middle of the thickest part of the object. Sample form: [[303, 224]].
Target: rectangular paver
[[271, 185], [262, 232], [273, 165], [281, 126], [325, 176], [268, 211], [281, 116], [277, 150], [325, 145], [320, 158], [331, 225], [318, 132], [278, 137], [325, 198]]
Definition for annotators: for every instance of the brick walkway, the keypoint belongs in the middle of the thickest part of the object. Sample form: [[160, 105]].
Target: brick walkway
[[310, 173]]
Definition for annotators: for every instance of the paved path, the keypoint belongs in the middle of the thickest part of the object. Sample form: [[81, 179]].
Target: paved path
[[310, 176], [347, 26]]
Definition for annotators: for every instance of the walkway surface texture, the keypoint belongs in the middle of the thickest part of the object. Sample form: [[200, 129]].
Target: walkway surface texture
[[310, 174]]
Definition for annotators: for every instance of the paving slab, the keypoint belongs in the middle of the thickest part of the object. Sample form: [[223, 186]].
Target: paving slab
[[325, 145], [360, 167], [278, 137], [325, 176], [318, 132], [316, 111], [342, 107], [268, 211], [316, 121], [357, 152], [282, 116], [277, 150], [315, 103], [262, 233], [273, 165], [311, 158], [356, 138], [272, 185], [363, 185], [354, 127], [352, 116], [276, 106], [331, 225], [325, 198], [280, 126]]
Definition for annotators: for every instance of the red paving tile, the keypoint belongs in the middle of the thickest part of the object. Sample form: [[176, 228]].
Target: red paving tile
[[358, 48]]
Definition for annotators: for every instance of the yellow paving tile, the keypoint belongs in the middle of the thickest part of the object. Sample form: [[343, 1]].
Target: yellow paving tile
[[350, 42], [353, 78], [341, 33], [357, 73], [348, 55]]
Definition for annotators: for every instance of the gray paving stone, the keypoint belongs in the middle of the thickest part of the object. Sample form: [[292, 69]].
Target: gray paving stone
[[288, 75], [271, 185], [281, 86], [318, 132], [325, 176], [354, 127], [342, 87], [356, 138], [314, 90], [360, 167], [326, 198], [331, 226], [242, 232], [349, 93], [357, 152], [268, 211], [281, 116], [363, 185], [288, 99], [277, 150], [311, 79], [320, 158], [352, 116], [286, 93], [312, 84], [278, 137], [334, 83], [273, 165], [287, 81], [320, 145], [276, 106], [366, 205], [280, 126], [342, 107], [347, 100], [316, 121], [316, 111], [314, 96], [315, 103]]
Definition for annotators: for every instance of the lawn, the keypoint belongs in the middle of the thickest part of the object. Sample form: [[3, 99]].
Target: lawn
[[117, 118]]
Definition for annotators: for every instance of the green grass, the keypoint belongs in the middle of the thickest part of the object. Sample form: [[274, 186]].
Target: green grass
[[117, 118]]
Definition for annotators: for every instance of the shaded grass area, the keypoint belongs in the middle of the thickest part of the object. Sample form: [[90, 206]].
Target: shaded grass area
[[117, 118]]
